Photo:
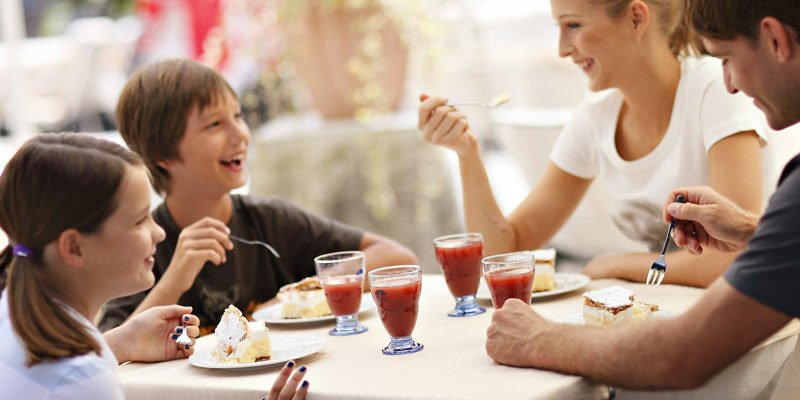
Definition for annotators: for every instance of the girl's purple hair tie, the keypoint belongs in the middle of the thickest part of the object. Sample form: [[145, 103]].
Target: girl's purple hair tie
[[22, 251]]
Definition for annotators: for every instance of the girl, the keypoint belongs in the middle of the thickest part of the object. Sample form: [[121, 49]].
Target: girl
[[661, 119]]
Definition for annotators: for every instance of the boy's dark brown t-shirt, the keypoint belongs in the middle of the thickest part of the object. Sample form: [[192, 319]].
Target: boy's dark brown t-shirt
[[251, 274]]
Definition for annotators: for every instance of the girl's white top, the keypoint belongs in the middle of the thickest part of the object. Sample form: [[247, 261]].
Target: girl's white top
[[88, 376], [703, 113]]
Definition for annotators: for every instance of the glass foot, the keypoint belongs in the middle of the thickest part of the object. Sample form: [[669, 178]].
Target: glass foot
[[403, 345], [466, 306], [347, 325]]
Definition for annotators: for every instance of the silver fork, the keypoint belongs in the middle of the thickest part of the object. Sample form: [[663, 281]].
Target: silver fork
[[659, 267], [256, 242]]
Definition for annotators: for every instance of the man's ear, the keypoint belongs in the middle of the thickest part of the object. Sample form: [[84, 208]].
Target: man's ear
[[69, 247], [779, 40], [639, 16], [165, 164]]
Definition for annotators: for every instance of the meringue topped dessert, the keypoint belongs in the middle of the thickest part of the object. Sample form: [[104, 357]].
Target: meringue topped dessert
[[545, 265], [239, 341], [613, 306], [303, 299]]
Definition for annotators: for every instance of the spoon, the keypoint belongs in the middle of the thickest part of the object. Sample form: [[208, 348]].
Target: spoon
[[501, 99]]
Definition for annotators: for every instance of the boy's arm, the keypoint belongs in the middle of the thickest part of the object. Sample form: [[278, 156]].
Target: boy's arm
[[381, 251]]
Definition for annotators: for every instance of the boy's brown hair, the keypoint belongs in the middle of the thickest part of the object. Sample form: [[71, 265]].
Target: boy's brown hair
[[154, 107], [729, 19]]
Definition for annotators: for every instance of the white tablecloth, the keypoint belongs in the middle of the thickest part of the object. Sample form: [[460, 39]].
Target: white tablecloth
[[453, 364]]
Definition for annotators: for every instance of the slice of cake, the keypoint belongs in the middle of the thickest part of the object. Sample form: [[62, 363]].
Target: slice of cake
[[614, 306], [239, 341], [304, 299], [544, 278]]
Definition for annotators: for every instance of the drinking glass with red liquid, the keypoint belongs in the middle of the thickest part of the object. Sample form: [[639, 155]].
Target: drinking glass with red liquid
[[460, 258], [342, 277], [396, 292], [509, 276]]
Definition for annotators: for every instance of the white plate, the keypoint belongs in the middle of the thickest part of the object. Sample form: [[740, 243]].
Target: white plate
[[272, 314], [565, 282], [285, 347], [577, 318]]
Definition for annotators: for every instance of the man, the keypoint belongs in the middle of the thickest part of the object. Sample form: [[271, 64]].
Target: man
[[757, 41]]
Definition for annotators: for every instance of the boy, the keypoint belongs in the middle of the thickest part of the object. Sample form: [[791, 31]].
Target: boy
[[185, 121]]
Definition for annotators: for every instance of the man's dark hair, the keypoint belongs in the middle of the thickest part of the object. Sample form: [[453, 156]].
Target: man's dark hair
[[728, 19]]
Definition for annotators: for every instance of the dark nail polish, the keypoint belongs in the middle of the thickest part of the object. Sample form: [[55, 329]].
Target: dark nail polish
[[303, 368], [179, 330], [186, 318], [305, 384], [290, 364], [188, 347], [174, 337]]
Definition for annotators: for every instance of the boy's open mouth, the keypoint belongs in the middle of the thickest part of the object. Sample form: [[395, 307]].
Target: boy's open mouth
[[237, 161]]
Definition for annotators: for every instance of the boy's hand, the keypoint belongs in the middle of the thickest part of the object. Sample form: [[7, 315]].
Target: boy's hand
[[202, 241], [444, 125], [150, 336]]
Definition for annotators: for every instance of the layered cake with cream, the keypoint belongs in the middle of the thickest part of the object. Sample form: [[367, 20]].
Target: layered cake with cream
[[239, 341], [304, 299], [614, 306], [544, 277]]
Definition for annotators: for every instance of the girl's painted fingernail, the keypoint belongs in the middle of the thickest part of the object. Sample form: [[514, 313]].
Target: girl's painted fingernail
[[303, 368], [174, 337], [305, 384], [188, 347], [186, 318], [290, 364], [179, 330]]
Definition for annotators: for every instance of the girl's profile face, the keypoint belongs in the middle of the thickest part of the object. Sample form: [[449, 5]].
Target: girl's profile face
[[121, 252], [595, 42]]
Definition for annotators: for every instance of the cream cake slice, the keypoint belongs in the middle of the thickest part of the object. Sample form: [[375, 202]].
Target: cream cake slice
[[608, 306], [239, 341], [545, 265], [303, 299], [613, 306]]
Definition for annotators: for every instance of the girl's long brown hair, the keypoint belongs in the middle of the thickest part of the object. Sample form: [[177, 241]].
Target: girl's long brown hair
[[53, 183]]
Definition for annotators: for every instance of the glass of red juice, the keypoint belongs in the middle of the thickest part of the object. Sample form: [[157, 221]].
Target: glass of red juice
[[509, 276], [396, 292], [460, 258], [342, 277]]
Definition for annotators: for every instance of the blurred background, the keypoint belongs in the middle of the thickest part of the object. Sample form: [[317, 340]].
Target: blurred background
[[330, 90]]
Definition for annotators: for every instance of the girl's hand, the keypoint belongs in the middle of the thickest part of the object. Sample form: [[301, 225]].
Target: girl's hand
[[286, 388], [150, 336]]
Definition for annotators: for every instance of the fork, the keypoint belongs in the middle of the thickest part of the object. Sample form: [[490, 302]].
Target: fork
[[256, 242], [503, 98], [659, 267], [184, 339]]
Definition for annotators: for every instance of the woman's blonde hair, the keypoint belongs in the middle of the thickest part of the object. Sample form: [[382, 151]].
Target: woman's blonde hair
[[53, 183], [673, 19]]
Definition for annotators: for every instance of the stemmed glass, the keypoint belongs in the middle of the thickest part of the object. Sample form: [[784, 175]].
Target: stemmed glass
[[460, 258], [342, 277], [509, 276], [396, 292]]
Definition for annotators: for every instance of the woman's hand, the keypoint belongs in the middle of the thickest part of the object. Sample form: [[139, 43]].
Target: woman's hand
[[150, 335], [286, 388], [445, 126]]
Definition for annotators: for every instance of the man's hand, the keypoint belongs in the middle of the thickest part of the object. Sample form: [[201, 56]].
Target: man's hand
[[205, 240], [708, 219], [150, 336], [511, 336]]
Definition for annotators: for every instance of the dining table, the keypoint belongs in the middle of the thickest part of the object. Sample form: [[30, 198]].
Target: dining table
[[453, 364]]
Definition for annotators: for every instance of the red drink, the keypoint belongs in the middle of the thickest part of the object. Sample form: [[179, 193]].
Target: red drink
[[507, 283], [398, 305], [343, 294], [461, 267]]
